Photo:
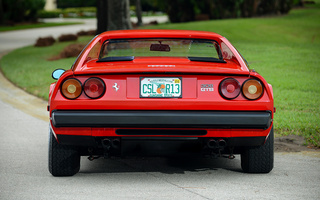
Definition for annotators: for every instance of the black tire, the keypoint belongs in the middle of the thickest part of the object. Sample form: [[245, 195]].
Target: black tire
[[259, 159], [64, 160]]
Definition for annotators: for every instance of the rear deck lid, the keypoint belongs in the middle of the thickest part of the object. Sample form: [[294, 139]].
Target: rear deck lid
[[160, 65]]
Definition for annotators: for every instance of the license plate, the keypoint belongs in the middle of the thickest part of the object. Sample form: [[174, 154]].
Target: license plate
[[158, 87]]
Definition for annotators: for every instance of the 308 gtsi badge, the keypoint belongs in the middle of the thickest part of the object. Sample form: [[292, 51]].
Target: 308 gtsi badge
[[159, 93]]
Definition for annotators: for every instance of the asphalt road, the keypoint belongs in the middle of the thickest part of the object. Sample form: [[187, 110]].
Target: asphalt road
[[24, 174]]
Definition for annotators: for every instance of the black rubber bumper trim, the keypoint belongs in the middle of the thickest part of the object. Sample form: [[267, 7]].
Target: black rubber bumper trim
[[162, 119]]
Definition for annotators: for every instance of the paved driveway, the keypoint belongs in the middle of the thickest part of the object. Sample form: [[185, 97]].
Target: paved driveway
[[15, 39]]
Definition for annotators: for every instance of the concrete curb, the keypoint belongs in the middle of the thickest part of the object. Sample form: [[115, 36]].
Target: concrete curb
[[18, 98]]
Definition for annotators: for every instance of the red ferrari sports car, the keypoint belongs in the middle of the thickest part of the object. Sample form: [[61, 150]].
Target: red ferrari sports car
[[160, 92]]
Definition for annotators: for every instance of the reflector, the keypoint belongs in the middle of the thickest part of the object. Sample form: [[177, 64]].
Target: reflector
[[252, 89]]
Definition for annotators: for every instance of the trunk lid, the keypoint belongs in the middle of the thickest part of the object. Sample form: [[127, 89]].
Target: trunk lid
[[161, 65]]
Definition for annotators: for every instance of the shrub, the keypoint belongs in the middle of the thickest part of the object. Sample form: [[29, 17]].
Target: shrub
[[89, 32], [49, 14], [45, 41], [67, 37], [72, 50]]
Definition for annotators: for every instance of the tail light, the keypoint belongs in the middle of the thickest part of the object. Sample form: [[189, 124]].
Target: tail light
[[229, 88], [252, 89], [94, 88], [71, 88]]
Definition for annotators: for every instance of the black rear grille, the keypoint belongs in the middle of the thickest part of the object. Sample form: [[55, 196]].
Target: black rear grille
[[160, 132]]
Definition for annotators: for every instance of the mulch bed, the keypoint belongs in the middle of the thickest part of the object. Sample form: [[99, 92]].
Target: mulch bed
[[72, 50]]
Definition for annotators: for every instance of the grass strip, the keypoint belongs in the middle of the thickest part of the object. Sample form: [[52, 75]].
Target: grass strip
[[29, 68]]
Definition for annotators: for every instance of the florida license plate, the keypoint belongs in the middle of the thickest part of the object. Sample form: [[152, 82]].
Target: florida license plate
[[159, 87]]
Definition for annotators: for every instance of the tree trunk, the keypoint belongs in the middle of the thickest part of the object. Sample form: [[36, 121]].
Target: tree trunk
[[119, 15], [113, 15], [139, 12], [1, 13], [102, 16]]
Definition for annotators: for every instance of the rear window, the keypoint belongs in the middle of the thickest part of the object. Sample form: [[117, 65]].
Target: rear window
[[130, 48]]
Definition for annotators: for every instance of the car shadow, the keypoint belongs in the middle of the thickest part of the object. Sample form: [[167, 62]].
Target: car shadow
[[166, 165]]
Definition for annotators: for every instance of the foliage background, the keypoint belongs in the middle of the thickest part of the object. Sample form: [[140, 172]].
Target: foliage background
[[14, 11]]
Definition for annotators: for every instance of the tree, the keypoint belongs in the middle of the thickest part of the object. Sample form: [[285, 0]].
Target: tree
[[113, 15], [139, 12], [187, 10], [102, 16], [181, 10], [1, 13], [15, 11]]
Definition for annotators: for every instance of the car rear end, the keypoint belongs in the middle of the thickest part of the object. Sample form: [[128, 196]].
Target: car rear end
[[117, 102]]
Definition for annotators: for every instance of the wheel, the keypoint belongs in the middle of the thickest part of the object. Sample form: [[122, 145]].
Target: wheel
[[64, 160], [259, 159]]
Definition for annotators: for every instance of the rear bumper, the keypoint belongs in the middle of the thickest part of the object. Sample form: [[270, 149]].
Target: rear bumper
[[94, 141], [163, 119]]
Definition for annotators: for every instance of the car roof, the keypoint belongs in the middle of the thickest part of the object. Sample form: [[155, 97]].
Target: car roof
[[156, 33]]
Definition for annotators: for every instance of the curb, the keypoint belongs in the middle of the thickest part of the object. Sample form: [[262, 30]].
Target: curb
[[18, 98]]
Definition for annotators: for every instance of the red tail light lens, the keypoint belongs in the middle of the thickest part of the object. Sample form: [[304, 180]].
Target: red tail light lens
[[252, 89], [94, 88], [229, 88], [71, 88]]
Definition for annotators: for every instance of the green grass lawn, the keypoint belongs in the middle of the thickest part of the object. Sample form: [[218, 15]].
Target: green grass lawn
[[285, 50], [29, 68], [37, 25]]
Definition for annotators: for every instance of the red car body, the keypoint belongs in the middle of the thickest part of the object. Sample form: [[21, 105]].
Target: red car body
[[201, 111]]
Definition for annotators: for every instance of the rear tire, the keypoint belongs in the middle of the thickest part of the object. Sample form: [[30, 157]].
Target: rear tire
[[259, 159], [64, 160]]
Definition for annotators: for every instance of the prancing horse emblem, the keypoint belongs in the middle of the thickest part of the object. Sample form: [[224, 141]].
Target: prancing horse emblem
[[116, 87]]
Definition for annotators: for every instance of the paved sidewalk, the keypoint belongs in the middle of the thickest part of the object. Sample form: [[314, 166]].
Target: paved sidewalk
[[11, 40]]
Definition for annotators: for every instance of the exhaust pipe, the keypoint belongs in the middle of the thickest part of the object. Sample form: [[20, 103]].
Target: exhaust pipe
[[222, 143], [106, 143], [212, 143], [115, 143]]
